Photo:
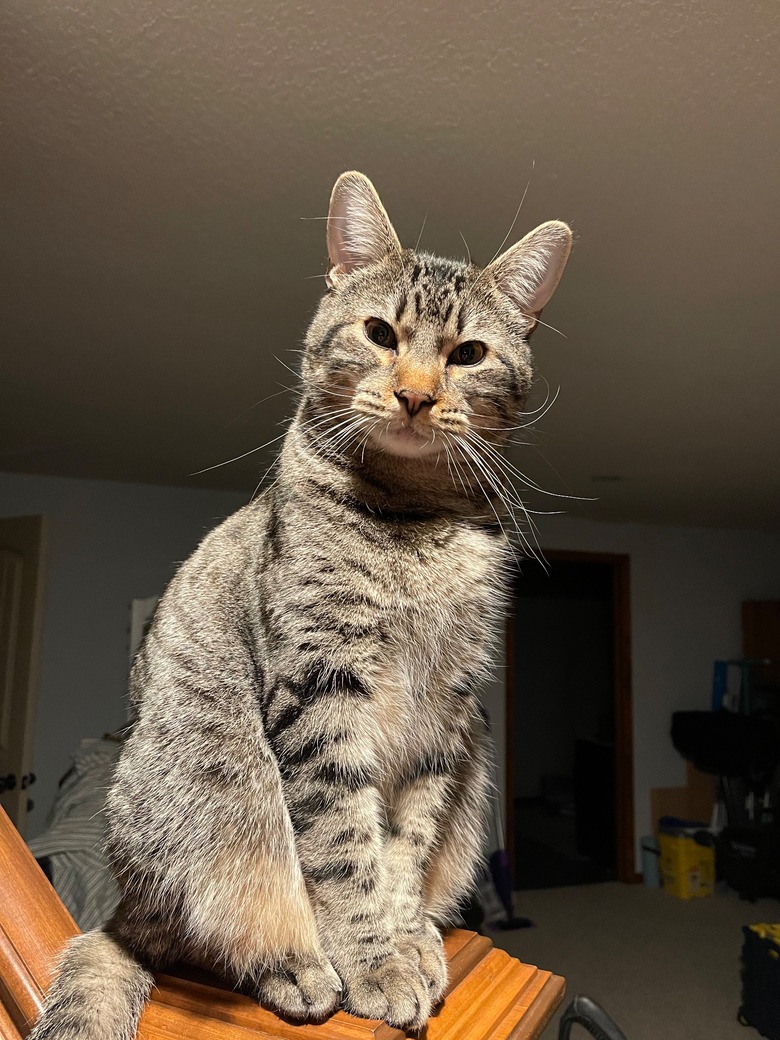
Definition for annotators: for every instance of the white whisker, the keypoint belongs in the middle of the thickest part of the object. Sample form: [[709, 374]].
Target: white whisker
[[419, 237], [246, 411], [512, 225], [252, 451], [465, 243]]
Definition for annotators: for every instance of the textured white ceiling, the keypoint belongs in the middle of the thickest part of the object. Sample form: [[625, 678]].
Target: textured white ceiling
[[158, 157]]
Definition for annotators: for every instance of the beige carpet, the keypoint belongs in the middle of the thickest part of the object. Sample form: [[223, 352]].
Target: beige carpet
[[663, 968]]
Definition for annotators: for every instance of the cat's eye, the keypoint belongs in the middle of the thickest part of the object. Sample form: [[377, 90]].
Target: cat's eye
[[379, 332], [470, 353]]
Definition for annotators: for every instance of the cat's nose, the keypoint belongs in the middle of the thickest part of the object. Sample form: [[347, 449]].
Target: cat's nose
[[414, 399]]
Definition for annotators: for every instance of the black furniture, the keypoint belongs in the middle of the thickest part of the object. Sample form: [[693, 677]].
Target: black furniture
[[744, 752]]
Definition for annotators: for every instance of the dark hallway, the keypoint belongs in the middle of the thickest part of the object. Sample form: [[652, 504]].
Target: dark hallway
[[563, 776]]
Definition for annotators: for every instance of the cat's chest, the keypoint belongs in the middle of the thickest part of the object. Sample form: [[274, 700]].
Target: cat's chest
[[436, 598], [437, 628], [413, 616]]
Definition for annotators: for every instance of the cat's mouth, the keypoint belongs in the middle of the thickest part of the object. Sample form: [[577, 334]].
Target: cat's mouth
[[407, 440]]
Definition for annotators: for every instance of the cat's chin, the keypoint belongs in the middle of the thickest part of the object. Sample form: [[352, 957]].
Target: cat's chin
[[407, 443]]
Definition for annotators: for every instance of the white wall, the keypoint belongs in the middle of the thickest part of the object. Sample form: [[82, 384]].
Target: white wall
[[686, 588], [106, 543]]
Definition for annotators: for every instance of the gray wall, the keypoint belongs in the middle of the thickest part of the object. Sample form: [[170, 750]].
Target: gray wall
[[106, 543], [686, 588]]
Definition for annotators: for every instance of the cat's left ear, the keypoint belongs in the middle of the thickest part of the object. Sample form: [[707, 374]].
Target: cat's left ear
[[359, 229], [529, 271]]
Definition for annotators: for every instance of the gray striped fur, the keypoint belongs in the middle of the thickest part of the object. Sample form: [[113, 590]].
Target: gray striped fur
[[301, 800]]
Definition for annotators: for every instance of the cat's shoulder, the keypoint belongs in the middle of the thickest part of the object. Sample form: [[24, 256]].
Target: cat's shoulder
[[229, 551]]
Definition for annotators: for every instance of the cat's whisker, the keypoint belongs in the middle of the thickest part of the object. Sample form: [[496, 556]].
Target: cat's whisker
[[333, 439], [252, 451], [511, 469], [262, 480], [480, 483], [346, 434], [327, 426], [508, 490], [246, 411], [419, 237], [326, 411], [508, 496], [538, 321], [505, 239], [331, 434], [363, 443], [511, 500], [323, 417], [539, 413], [501, 460], [451, 460], [504, 464], [328, 440], [357, 445], [335, 393], [284, 365], [465, 243]]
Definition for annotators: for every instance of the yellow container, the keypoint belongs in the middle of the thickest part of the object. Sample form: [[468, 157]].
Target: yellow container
[[687, 868]]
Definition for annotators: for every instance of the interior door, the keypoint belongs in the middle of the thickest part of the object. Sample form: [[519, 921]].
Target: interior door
[[20, 628]]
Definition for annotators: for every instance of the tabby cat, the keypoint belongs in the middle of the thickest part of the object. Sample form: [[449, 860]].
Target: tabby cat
[[301, 800]]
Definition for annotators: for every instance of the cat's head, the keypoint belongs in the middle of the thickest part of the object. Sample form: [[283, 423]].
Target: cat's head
[[410, 354]]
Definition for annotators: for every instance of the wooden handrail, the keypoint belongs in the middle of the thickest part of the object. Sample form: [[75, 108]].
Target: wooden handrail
[[491, 995]]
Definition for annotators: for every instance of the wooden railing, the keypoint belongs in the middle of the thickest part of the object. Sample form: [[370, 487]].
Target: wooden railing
[[491, 996]]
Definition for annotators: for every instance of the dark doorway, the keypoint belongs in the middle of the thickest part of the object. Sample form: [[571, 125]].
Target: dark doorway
[[569, 781]]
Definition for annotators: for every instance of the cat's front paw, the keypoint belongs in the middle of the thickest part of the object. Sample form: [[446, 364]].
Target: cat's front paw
[[393, 990], [426, 949], [302, 988]]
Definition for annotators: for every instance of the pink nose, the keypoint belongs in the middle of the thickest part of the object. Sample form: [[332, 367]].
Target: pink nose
[[414, 399]]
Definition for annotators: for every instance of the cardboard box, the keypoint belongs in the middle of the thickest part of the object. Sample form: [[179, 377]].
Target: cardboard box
[[695, 801]]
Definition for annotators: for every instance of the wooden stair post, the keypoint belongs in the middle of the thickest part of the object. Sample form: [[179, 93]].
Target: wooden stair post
[[491, 995]]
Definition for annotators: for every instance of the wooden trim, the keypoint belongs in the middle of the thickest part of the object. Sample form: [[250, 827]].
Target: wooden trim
[[539, 1014], [624, 725], [510, 717], [491, 995], [34, 926], [8, 1030], [25, 536], [624, 754]]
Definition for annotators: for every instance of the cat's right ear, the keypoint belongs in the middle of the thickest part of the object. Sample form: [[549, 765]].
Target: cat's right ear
[[359, 229]]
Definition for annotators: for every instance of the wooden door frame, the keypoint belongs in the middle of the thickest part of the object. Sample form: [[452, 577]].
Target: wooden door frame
[[624, 750], [26, 534]]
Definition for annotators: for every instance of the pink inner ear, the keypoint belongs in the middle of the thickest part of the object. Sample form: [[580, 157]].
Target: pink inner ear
[[544, 290], [529, 272], [337, 245], [359, 230]]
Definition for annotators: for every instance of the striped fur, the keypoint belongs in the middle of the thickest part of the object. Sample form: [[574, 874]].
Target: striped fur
[[301, 800]]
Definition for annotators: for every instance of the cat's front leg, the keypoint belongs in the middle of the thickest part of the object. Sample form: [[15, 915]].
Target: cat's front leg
[[325, 737], [451, 871], [422, 797], [434, 846]]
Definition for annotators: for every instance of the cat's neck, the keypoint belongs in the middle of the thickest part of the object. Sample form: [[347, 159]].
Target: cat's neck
[[381, 482]]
